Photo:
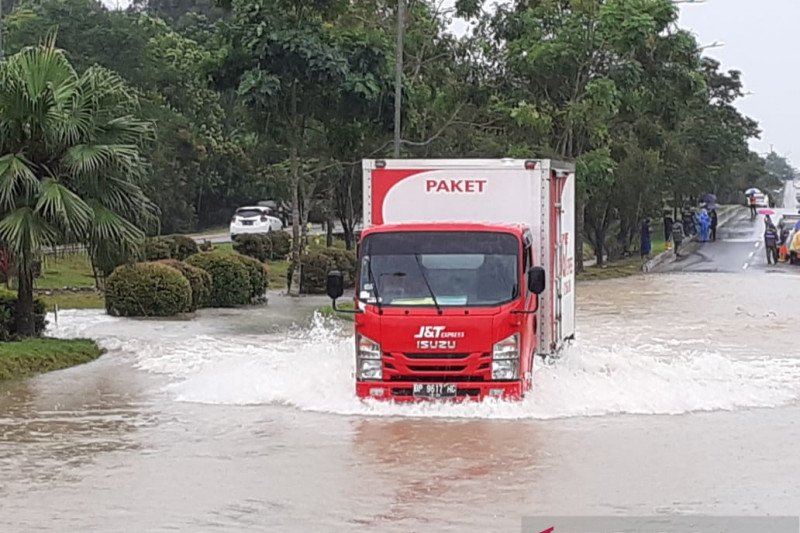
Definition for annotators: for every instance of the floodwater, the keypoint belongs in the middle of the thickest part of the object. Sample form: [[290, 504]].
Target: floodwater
[[680, 396]]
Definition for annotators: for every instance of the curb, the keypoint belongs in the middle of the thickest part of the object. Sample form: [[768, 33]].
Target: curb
[[664, 256]]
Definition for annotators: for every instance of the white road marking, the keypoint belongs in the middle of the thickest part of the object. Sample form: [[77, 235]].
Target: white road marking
[[744, 267], [752, 254], [758, 244]]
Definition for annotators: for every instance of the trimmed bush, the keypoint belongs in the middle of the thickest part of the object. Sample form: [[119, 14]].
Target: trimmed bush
[[316, 265], [182, 247], [255, 246], [147, 289], [259, 280], [230, 279], [157, 248], [199, 280], [8, 315], [281, 245], [314, 273], [345, 262]]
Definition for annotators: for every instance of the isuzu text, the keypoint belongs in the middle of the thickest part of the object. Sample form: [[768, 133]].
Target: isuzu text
[[466, 274]]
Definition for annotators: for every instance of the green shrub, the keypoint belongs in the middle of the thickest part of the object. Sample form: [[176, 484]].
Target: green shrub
[[317, 263], [8, 315], [147, 289], [199, 280], [255, 246], [345, 262], [230, 279], [281, 245], [259, 277], [182, 247], [206, 246], [157, 248], [314, 273]]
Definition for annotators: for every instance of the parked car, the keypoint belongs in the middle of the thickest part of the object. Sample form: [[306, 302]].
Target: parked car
[[254, 220]]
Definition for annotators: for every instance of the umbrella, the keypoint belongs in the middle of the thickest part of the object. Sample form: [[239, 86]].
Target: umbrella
[[710, 198], [766, 212], [750, 192]]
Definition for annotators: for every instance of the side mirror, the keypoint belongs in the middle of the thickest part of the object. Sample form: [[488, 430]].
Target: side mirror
[[335, 285], [537, 280]]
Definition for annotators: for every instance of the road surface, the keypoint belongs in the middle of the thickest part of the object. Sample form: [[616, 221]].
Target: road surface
[[739, 246]]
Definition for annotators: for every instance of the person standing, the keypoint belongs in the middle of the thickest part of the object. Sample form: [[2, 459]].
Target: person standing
[[668, 222], [713, 225], [646, 241], [752, 203], [771, 243], [677, 238], [705, 223]]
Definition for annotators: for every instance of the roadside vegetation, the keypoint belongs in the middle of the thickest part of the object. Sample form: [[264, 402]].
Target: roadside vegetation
[[28, 357]]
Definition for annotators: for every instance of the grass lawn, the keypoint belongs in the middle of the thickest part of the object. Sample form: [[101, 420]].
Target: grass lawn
[[629, 266], [72, 300], [327, 311], [20, 359], [72, 270]]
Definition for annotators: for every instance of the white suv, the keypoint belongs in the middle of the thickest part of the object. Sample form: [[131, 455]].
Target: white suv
[[254, 220]]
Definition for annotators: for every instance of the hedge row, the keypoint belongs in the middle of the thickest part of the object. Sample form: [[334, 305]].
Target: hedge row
[[177, 247], [317, 263], [264, 247], [169, 287], [8, 316]]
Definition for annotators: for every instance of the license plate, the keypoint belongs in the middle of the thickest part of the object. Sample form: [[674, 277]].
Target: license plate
[[247, 222], [434, 390]]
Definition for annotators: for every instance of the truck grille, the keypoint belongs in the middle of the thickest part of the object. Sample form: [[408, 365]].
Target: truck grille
[[437, 367], [437, 355]]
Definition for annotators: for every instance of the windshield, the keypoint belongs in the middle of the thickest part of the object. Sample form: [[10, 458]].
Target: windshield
[[248, 213], [462, 269]]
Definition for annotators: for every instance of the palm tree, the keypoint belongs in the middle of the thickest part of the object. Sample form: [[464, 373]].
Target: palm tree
[[70, 163]]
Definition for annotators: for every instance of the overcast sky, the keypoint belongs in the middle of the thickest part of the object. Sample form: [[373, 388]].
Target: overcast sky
[[760, 39]]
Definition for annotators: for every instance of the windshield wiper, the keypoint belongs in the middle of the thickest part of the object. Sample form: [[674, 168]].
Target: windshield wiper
[[427, 284], [374, 286]]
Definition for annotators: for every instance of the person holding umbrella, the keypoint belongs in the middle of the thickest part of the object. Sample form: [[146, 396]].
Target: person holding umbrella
[[713, 225]]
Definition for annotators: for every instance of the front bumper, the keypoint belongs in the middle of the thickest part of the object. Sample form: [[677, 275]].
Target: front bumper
[[250, 230], [402, 391]]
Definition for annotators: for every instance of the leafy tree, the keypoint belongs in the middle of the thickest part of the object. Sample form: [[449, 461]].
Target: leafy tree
[[290, 66], [71, 165]]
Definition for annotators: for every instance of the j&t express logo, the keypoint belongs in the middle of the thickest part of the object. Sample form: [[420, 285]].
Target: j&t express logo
[[437, 338]]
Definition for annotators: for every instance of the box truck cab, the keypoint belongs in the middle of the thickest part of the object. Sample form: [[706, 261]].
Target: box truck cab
[[465, 275]]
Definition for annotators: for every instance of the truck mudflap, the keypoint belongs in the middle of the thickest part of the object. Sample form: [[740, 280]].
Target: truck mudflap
[[414, 391]]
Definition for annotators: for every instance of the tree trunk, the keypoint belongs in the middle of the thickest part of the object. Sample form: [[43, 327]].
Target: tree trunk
[[600, 245], [579, 228], [297, 243], [25, 321], [329, 230]]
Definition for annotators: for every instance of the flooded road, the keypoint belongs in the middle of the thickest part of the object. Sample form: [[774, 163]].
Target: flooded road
[[681, 396]]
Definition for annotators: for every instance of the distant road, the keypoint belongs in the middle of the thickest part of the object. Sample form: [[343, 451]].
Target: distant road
[[739, 246], [220, 238]]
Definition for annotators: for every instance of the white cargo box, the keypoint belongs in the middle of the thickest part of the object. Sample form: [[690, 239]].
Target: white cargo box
[[537, 193]]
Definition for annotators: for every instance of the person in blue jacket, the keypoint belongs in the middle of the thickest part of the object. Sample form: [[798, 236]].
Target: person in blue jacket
[[705, 225]]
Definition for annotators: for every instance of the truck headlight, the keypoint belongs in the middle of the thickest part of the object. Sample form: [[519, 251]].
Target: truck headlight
[[367, 348], [507, 348], [368, 359], [505, 358], [370, 369], [505, 369]]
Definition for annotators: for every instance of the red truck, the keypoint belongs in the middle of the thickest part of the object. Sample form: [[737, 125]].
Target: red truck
[[465, 275]]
